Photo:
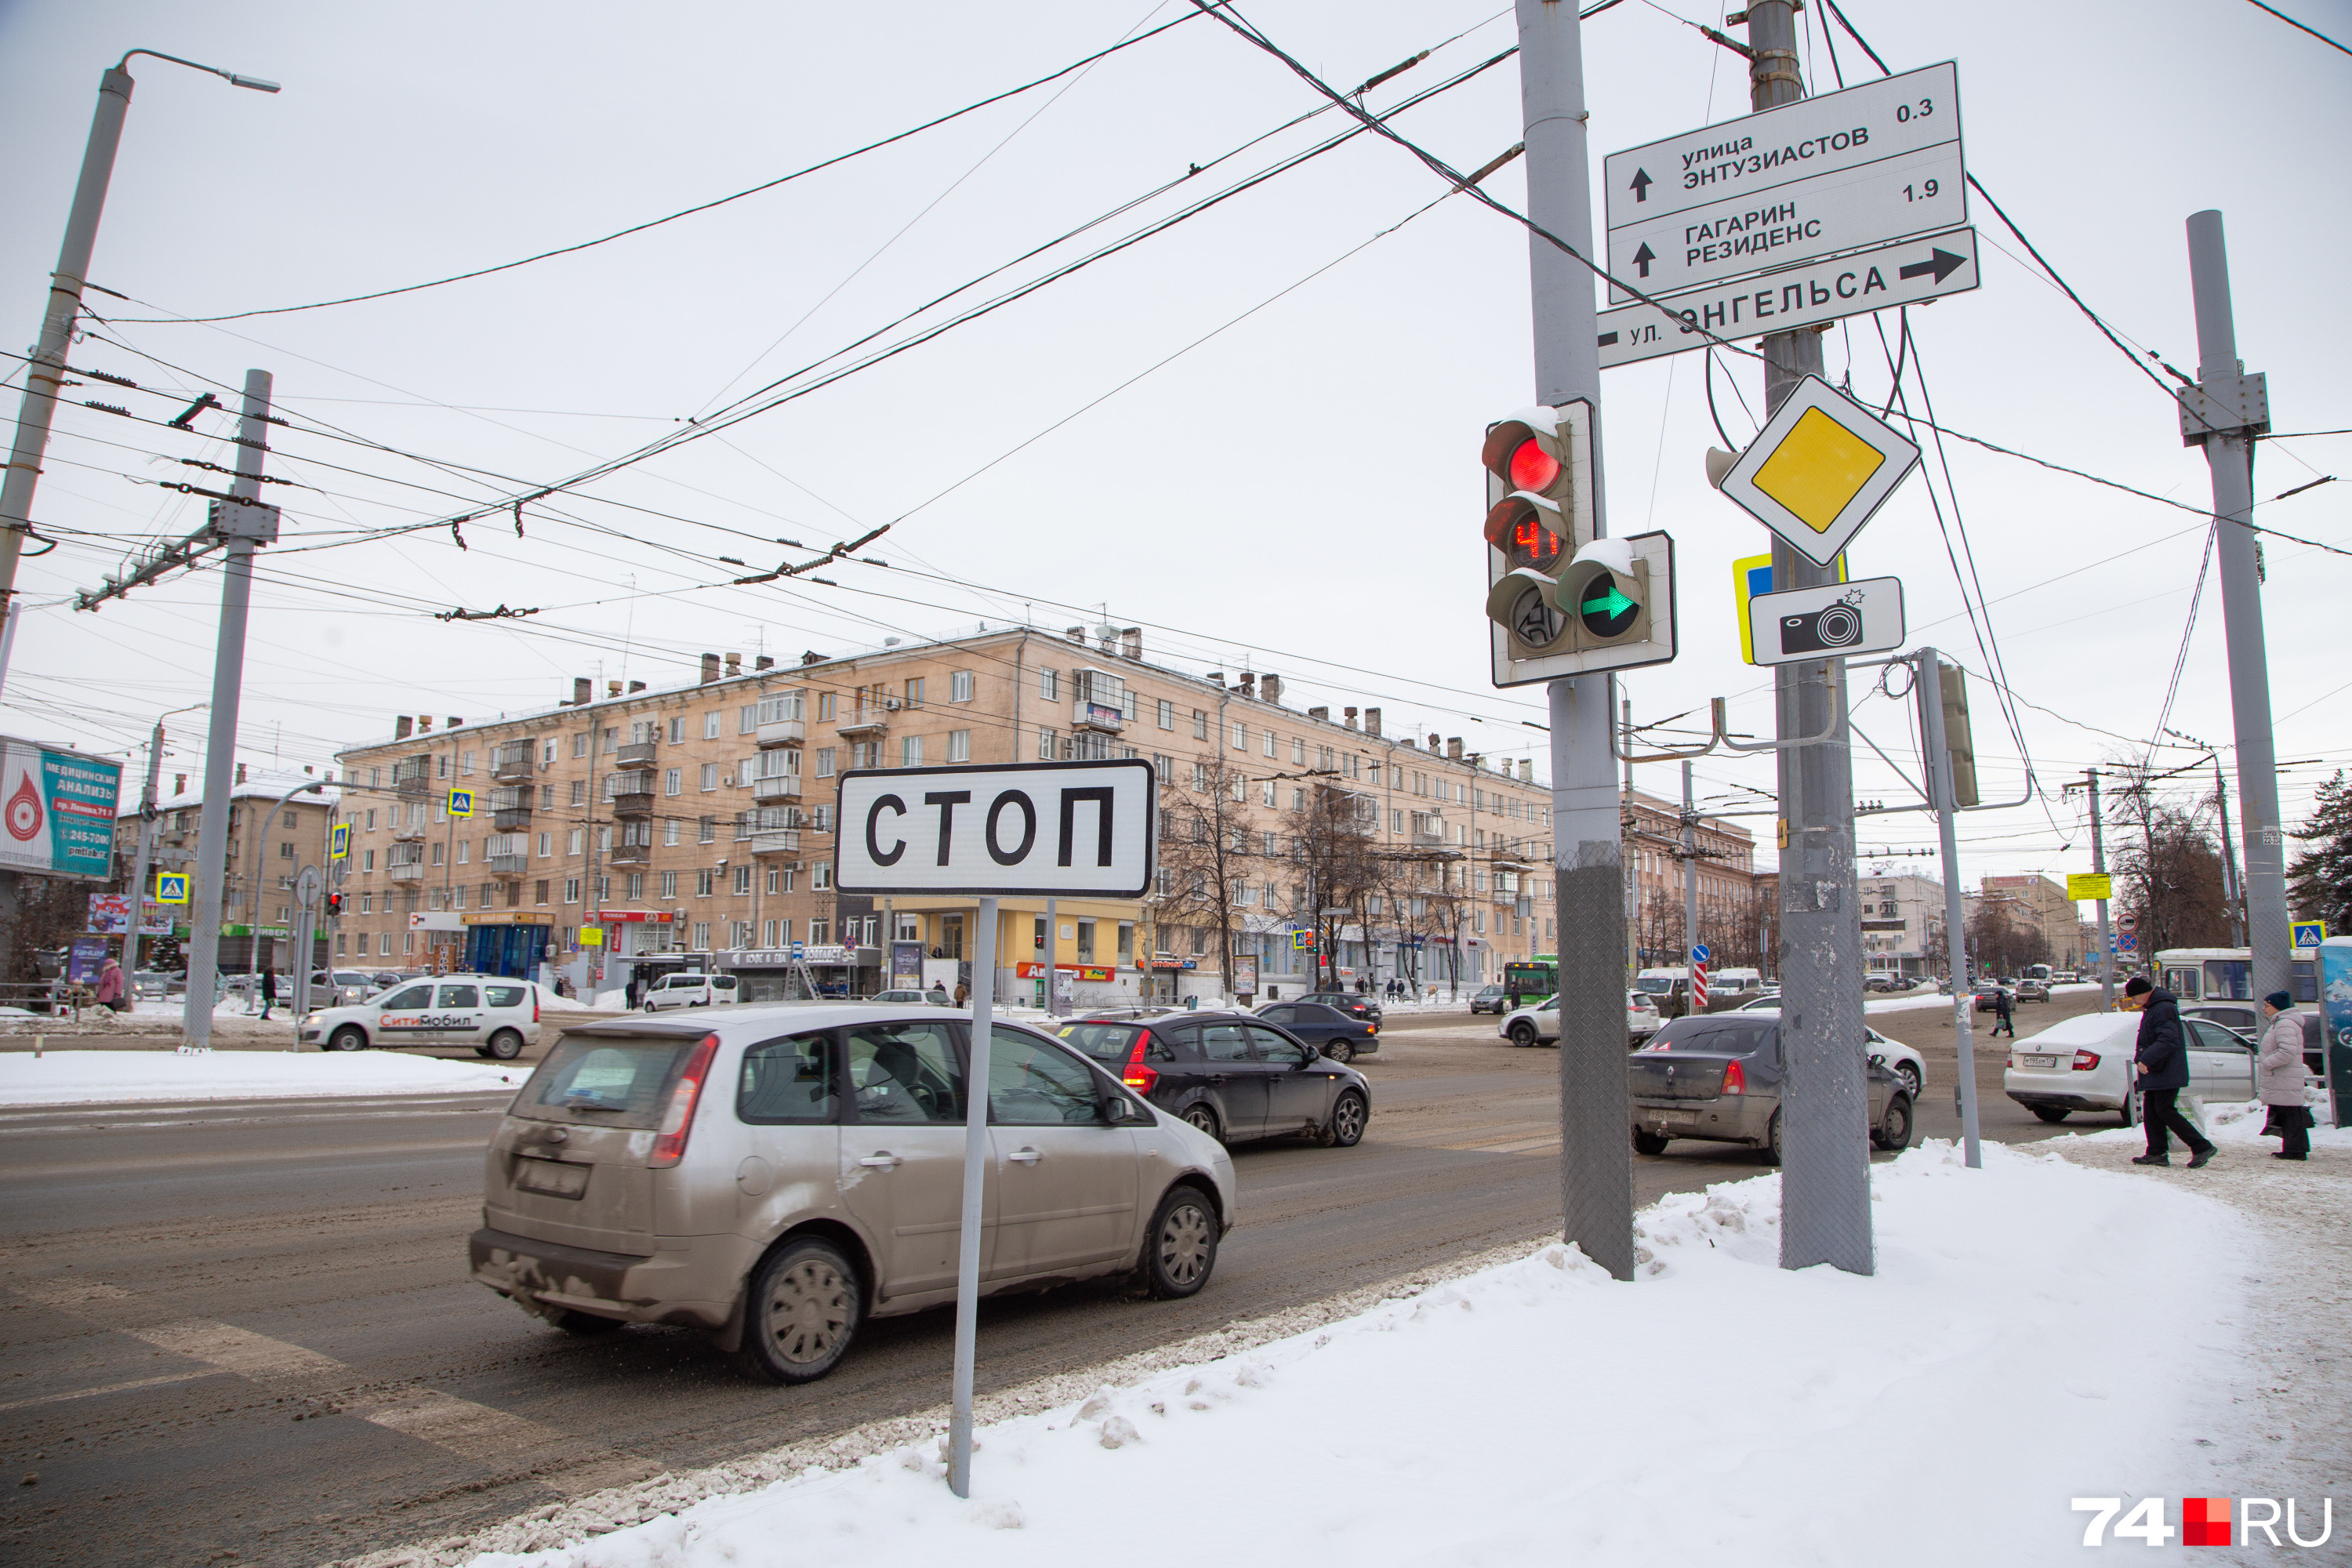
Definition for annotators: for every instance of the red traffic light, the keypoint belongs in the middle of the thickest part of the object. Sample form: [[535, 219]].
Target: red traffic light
[[1532, 467]]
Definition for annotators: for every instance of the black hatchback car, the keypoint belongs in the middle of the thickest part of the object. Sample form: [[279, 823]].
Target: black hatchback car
[[1233, 1075], [1334, 1033], [1362, 1008]]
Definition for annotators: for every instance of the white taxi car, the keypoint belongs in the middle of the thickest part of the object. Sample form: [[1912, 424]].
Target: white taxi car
[[496, 1016]]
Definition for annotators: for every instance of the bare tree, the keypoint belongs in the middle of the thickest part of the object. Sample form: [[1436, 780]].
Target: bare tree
[[2169, 863], [1205, 848], [1332, 854]]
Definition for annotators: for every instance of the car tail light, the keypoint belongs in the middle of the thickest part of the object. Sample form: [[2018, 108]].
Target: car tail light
[[677, 1122], [534, 1003], [1371, 1028], [2085, 1061], [1137, 1077], [1735, 1080]]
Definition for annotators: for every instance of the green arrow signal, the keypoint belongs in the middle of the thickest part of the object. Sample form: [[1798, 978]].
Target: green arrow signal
[[1605, 610]]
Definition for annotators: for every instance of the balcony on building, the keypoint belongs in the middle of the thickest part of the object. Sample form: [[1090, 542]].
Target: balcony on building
[[631, 854], [408, 832], [776, 841], [632, 792], [510, 808], [412, 872], [782, 786], [864, 721], [1099, 716], [780, 733], [511, 763], [509, 865], [412, 777], [635, 755]]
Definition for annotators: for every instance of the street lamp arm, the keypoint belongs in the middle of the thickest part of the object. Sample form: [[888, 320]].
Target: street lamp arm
[[258, 84]]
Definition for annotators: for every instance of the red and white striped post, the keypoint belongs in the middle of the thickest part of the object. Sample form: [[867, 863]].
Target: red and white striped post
[[1698, 979]]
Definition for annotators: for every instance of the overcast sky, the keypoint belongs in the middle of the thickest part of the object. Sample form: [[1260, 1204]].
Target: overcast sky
[[1262, 453]]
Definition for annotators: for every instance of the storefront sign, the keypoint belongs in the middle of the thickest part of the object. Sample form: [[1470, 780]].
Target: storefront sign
[[506, 918], [1170, 962], [437, 920], [784, 958], [634, 917]]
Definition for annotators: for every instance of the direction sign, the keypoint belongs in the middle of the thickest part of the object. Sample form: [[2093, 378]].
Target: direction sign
[[1819, 469], [2304, 937], [1824, 175], [1828, 622], [1058, 829], [1907, 272]]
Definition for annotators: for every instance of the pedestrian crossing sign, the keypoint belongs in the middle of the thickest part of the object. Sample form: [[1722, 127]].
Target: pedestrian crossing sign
[[461, 803], [170, 886], [339, 841], [1302, 940], [2308, 935]]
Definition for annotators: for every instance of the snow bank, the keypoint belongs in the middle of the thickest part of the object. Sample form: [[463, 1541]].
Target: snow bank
[[2229, 1123], [73, 1077], [1943, 1412]]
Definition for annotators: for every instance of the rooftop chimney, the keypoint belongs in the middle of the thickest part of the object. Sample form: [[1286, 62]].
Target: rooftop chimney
[[1351, 712], [179, 784], [763, 662], [1270, 689], [1411, 745], [612, 688], [709, 667], [1105, 638], [240, 773], [455, 722], [811, 656], [1249, 685], [1372, 723], [1322, 713], [1076, 634], [583, 691], [1433, 745], [734, 664], [400, 726], [423, 723], [1527, 770], [635, 686], [308, 769], [1453, 747], [1131, 643]]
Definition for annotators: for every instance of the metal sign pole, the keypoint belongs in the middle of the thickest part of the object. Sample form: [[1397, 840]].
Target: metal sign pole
[[1929, 677], [975, 1168]]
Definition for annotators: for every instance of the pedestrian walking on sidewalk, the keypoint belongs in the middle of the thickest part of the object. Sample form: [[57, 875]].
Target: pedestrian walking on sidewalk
[[269, 991], [109, 989], [2004, 1016], [2278, 1078], [2161, 1060]]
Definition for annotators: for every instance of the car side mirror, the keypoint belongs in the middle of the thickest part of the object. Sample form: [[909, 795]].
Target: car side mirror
[[1308, 1056], [1118, 1108], [1878, 1058]]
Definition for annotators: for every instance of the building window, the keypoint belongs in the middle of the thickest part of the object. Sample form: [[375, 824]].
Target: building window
[[747, 719], [915, 692], [821, 876], [960, 686], [1269, 743], [541, 892], [1047, 745], [703, 880], [669, 884], [672, 781], [709, 776], [580, 744], [707, 830], [1241, 736], [773, 878], [571, 889], [1166, 714], [910, 750], [792, 875], [743, 880], [959, 745], [575, 840], [367, 860], [579, 792], [1049, 685], [702, 936], [670, 832], [367, 903], [636, 886], [710, 722], [546, 844], [825, 762]]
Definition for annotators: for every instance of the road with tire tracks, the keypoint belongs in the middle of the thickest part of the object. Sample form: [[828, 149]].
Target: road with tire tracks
[[243, 1333]]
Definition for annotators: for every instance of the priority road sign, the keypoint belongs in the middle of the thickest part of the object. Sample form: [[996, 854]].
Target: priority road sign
[[1828, 622], [461, 803], [170, 886], [1907, 272], [1813, 178], [2305, 936], [1819, 470]]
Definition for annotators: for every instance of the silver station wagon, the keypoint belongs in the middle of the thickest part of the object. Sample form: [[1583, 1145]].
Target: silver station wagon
[[776, 1175]]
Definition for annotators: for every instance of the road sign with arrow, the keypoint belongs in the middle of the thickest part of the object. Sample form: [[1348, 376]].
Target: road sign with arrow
[[1910, 272]]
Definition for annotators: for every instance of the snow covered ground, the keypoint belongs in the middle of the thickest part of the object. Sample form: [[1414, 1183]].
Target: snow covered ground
[[75, 1077], [2036, 1331]]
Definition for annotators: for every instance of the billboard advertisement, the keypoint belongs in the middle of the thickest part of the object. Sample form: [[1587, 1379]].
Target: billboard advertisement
[[58, 810], [109, 915]]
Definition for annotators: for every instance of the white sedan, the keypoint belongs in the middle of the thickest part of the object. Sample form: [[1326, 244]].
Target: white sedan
[[1539, 1022], [2085, 1064], [496, 1016]]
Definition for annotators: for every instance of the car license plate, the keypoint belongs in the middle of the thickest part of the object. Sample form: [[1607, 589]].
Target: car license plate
[[553, 1178], [1666, 1119], [2041, 1061]]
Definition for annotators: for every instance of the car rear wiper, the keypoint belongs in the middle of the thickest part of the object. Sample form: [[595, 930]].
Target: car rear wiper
[[590, 1102]]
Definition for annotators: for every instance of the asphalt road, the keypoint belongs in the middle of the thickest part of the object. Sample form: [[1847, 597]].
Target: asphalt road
[[242, 1332]]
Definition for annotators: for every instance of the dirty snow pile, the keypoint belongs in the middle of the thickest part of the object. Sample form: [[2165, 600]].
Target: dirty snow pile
[[2035, 1331], [2235, 1125], [76, 1078]]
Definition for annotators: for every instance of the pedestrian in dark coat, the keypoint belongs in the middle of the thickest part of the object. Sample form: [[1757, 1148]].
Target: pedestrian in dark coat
[[2004, 1004], [2278, 1076], [269, 991], [2161, 1061]]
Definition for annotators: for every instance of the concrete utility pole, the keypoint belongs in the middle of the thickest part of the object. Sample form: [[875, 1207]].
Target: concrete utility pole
[[2225, 411], [242, 527], [46, 373], [1595, 1113], [2099, 864], [1825, 1108]]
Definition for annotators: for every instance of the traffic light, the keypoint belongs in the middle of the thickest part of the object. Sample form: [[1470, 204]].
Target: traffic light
[[334, 905], [1562, 601]]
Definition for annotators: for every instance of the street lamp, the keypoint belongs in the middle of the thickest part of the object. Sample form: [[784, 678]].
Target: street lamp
[[46, 371]]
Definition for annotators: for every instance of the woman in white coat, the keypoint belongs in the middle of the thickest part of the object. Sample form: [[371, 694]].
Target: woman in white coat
[[2279, 1078]]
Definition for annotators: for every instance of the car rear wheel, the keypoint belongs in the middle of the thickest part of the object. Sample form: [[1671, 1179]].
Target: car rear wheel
[[1201, 1116], [506, 1045], [2129, 1112], [1350, 1116], [1649, 1143], [1180, 1248], [2054, 1112], [804, 1310], [350, 1037], [1895, 1130], [1523, 1034], [1341, 1051], [1772, 1141]]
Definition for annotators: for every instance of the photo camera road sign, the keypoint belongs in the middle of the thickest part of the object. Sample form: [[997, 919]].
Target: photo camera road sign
[[1828, 622]]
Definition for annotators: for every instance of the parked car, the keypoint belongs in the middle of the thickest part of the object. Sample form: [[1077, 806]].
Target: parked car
[[158, 983], [1888, 983], [1490, 999], [335, 987], [1539, 1022], [684, 989], [2085, 1064], [496, 1016], [1641, 1017], [2238, 1017], [1327, 1028], [912, 996], [1768, 1002], [1989, 994], [1892, 1054], [775, 1176], [2032, 991], [1232, 1075], [1719, 1077], [1347, 1001]]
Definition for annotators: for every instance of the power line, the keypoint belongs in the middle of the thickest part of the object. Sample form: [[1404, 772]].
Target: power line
[[2290, 21]]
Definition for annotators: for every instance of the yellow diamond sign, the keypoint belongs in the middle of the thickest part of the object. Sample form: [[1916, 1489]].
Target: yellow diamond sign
[[1819, 469]]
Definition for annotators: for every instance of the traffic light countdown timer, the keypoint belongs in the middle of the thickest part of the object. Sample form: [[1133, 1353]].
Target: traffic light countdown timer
[[1560, 600]]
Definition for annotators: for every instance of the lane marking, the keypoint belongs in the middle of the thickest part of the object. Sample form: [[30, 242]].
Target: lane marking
[[111, 1388]]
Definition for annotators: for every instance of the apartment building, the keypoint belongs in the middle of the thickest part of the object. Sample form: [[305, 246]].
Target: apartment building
[[2041, 903], [1728, 919], [1902, 924], [650, 829], [257, 893]]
